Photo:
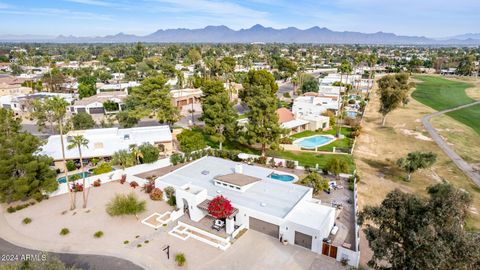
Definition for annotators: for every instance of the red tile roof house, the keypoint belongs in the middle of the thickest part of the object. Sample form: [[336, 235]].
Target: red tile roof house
[[296, 124]]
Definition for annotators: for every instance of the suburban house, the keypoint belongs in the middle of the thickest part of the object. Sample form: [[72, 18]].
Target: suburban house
[[187, 96], [10, 85], [95, 103], [329, 90], [279, 209], [23, 103], [101, 87], [103, 142], [313, 105], [294, 124]]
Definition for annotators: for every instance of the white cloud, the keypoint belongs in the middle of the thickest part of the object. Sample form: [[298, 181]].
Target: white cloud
[[92, 2]]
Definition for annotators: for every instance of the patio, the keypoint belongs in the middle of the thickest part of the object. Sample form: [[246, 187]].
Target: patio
[[205, 224]]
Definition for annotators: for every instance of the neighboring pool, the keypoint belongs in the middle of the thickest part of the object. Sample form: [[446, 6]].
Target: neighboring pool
[[63, 180], [282, 177], [314, 141]]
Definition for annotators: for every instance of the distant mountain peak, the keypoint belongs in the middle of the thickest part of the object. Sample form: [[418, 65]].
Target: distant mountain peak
[[257, 33]]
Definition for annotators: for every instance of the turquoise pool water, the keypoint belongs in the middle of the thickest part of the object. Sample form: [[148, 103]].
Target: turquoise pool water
[[314, 141], [63, 180], [351, 114], [282, 177]]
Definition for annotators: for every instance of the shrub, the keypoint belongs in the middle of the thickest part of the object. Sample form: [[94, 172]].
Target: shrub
[[290, 164], [344, 261], [139, 245], [175, 158], [27, 220], [261, 160], [191, 140], [286, 140], [64, 231], [148, 187], [125, 205], [123, 179], [77, 187], [97, 183], [172, 201], [126, 242], [149, 152], [146, 241], [156, 194], [104, 167], [98, 234], [11, 209], [180, 259], [133, 184], [169, 191], [351, 101], [71, 165], [220, 207]]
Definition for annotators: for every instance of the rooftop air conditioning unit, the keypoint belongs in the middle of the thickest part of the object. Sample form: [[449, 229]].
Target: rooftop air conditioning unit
[[238, 168]]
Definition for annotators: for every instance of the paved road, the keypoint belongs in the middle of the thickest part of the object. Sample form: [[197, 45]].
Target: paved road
[[461, 164], [90, 262]]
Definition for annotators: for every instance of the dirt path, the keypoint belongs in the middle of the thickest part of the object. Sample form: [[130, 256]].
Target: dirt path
[[461, 163]]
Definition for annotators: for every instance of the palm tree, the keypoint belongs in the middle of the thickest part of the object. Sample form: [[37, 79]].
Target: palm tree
[[79, 141], [345, 68], [58, 107], [136, 153], [415, 161], [123, 158]]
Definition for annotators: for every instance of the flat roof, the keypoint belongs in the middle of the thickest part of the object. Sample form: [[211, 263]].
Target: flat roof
[[267, 195], [105, 141], [237, 179], [311, 214]]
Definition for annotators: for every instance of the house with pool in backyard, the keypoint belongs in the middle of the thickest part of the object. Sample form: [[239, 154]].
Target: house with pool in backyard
[[261, 199]]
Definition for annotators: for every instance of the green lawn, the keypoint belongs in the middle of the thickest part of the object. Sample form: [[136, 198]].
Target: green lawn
[[304, 158], [469, 116], [440, 94], [341, 143], [310, 159]]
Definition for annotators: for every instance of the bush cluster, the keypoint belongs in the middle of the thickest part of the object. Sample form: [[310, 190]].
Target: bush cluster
[[13, 209], [156, 194]]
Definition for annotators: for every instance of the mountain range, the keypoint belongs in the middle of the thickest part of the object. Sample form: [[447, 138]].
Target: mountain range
[[257, 33]]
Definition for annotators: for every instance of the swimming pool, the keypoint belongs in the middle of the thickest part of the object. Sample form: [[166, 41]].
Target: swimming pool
[[314, 141], [282, 177], [351, 114], [63, 180]]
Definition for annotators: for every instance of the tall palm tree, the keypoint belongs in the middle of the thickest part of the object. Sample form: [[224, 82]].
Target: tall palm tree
[[345, 68], [79, 141], [58, 107]]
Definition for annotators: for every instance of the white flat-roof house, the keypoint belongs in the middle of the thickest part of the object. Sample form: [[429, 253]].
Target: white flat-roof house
[[103, 142], [23, 103], [314, 105], [101, 87], [280, 209], [94, 104]]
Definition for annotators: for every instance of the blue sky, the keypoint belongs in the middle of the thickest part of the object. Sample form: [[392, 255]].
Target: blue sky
[[433, 18]]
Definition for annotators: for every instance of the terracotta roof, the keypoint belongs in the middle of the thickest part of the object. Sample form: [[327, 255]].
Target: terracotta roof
[[237, 179], [11, 80], [284, 115], [310, 94]]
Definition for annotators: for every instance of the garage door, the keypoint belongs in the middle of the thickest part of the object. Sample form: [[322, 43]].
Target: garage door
[[264, 227], [303, 240]]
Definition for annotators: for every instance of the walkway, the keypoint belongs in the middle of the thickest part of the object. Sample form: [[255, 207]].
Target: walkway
[[461, 164], [90, 262]]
